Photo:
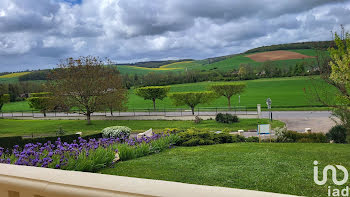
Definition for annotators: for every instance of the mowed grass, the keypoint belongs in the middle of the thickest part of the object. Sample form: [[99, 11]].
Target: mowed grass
[[285, 93], [10, 127], [16, 107], [271, 167]]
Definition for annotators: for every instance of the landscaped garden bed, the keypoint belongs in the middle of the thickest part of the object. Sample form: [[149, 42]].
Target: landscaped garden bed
[[50, 127]]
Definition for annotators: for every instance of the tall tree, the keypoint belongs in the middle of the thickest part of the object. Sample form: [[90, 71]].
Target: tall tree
[[192, 99], [153, 93], [84, 83], [228, 90]]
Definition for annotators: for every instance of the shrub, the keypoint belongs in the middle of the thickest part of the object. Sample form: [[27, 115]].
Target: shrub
[[93, 136], [252, 139], [9, 142], [197, 120], [338, 134], [293, 136], [120, 132], [60, 131], [280, 133], [226, 118], [195, 137]]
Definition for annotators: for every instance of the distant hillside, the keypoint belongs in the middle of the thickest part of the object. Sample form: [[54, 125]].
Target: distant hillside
[[290, 46], [154, 64], [221, 63]]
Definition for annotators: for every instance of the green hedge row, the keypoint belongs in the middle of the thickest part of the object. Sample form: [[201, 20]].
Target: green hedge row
[[10, 142]]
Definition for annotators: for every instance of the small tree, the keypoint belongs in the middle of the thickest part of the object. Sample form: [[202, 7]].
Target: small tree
[[228, 90], [40, 101], [153, 93], [4, 98], [335, 71], [116, 100], [192, 99], [84, 83]]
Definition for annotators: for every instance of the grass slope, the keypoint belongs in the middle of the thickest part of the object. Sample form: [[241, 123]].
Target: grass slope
[[49, 127], [285, 93], [224, 65], [270, 167]]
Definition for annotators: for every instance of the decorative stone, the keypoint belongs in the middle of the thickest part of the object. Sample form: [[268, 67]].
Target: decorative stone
[[240, 132], [307, 130], [79, 133], [116, 157], [148, 133]]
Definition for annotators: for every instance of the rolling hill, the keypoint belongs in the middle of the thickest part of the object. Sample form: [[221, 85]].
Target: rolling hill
[[303, 52]]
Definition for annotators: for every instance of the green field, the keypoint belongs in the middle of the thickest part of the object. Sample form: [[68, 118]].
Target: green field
[[285, 93], [49, 127], [224, 65], [271, 167]]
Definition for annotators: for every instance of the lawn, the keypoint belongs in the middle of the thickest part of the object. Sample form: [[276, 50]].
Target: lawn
[[49, 127], [270, 167], [285, 93]]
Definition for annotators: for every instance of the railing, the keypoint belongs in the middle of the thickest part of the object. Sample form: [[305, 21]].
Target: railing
[[200, 111], [25, 181]]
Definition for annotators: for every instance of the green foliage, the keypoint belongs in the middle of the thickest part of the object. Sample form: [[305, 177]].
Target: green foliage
[[252, 139], [300, 45], [195, 137], [40, 101], [116, 132], [4, 98], [192, 99], [338, 134], [226, 118], [127, 152], [9, 142], [228, 90], [293, 136], [153, 93], [197, 120], [340, 78]]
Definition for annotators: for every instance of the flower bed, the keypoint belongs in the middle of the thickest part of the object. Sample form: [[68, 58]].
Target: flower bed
[[83, 155]]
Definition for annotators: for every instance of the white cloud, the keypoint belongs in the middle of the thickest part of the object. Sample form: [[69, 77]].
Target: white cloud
[[37, 33]]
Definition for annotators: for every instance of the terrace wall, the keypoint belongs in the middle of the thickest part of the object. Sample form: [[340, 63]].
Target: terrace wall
[[25, 181]]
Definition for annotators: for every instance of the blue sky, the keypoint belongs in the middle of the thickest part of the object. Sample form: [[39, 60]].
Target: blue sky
[[37, 34]]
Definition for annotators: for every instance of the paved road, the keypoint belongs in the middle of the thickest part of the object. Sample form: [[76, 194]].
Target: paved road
[[318, 121]]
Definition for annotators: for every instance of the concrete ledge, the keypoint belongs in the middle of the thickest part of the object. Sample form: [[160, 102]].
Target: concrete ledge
[[32, 181]]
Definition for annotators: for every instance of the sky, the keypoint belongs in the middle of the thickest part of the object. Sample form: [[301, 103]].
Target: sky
[[37, 34]]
